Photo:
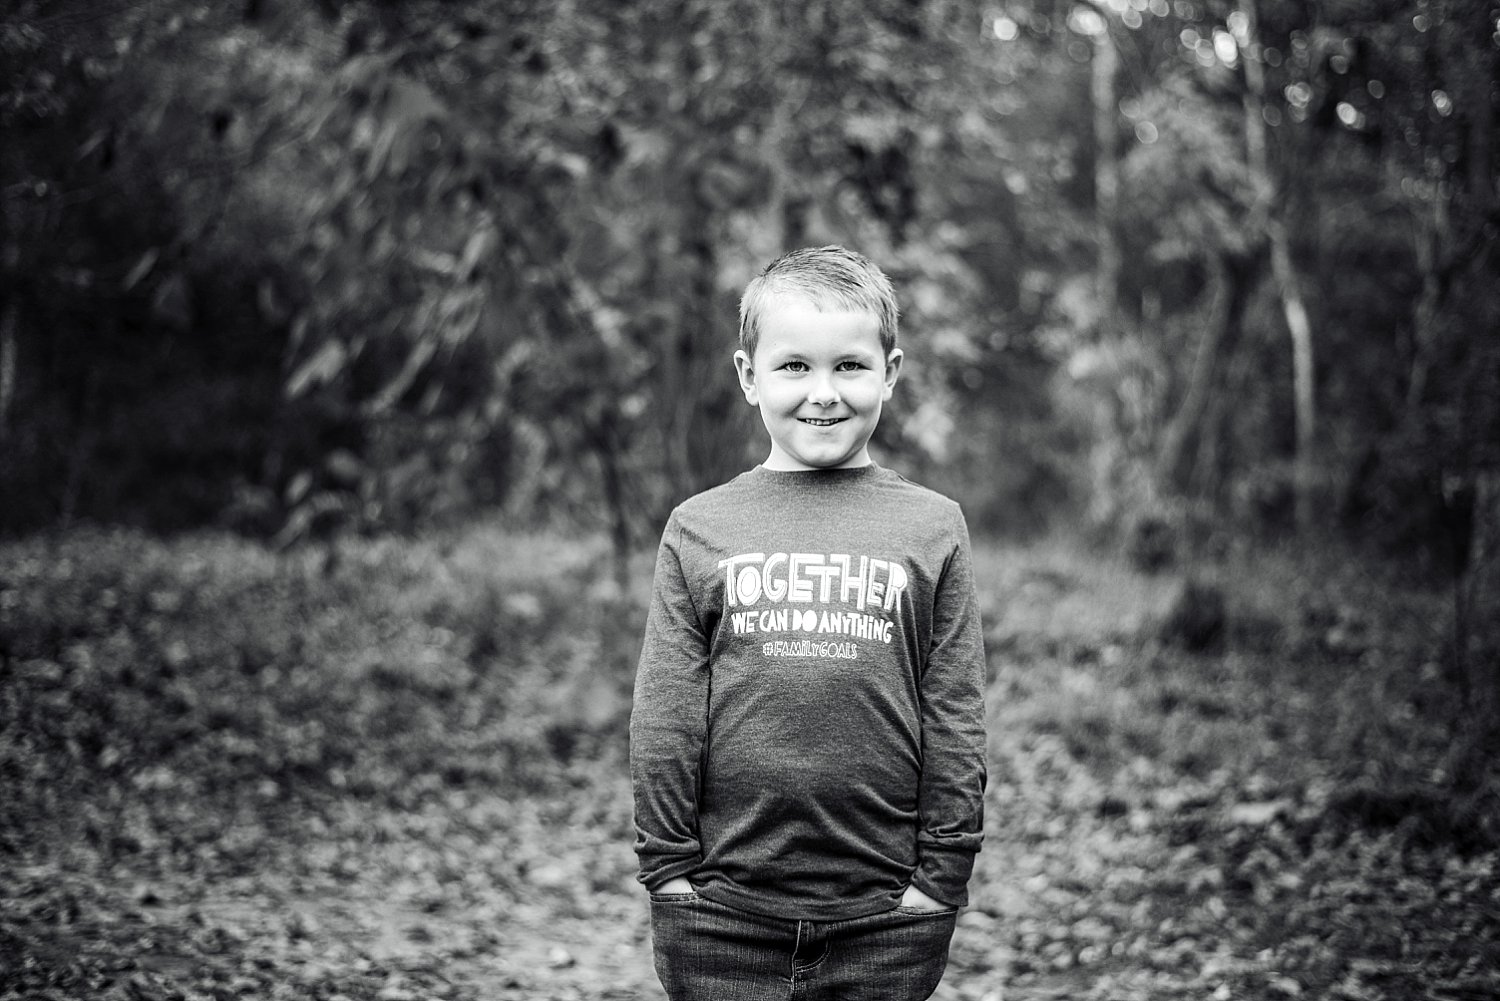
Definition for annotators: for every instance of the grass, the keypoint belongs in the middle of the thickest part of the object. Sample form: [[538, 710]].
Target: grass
[[400, 773]]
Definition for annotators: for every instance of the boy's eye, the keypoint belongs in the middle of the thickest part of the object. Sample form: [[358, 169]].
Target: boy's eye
[[795, 366], [850, 366]]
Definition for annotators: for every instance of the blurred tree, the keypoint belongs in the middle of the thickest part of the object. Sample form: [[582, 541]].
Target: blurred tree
[[1237, 173], [314, 268], [1266, 212], [477, 245]]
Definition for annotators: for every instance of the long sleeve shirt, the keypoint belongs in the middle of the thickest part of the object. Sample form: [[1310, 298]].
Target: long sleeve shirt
[[807, 736]]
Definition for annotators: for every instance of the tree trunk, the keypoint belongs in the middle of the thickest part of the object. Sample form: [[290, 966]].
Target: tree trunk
[[1106, 65], [612, 480], [10, 260], [1480, 98], [1449, 230], [1484, 567], [1430, 236], [1188, 418], [1283, 268], [1483, 560], [7, 366], [1300, 328]]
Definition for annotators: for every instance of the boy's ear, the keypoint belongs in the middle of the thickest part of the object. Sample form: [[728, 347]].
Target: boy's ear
[[892, 370], [746, 372]]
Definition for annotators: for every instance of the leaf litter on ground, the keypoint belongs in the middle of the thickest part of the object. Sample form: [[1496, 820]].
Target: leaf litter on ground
[[237, 775]]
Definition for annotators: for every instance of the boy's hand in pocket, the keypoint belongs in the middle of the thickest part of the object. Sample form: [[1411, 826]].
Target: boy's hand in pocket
[[678, 884], [914, 897]]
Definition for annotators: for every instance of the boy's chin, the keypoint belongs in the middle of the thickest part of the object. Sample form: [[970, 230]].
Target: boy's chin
[[784, 461]]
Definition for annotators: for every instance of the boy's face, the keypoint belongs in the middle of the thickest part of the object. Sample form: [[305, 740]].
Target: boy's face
[[819, 379]]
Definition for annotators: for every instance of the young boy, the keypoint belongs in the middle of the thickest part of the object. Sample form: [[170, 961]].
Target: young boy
[[807, 740]]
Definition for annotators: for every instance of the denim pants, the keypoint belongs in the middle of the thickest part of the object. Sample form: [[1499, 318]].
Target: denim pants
[[707, 951]]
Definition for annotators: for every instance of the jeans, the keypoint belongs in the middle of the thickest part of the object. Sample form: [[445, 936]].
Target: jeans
[[706, 951]]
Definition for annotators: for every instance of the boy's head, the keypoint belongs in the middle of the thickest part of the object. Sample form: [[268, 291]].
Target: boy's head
[[818, 356], [830, 278]]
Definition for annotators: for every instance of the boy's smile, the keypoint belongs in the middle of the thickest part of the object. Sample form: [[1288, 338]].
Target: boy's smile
[[819, 379]]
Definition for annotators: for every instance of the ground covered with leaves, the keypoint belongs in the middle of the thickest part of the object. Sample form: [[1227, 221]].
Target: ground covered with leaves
[[400, 774]]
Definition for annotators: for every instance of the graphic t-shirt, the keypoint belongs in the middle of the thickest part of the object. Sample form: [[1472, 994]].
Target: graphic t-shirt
[[808, 731]]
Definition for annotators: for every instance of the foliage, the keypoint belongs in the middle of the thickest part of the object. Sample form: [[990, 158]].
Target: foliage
[[306, 269], [111, 637], [232, 772], [471, 254]]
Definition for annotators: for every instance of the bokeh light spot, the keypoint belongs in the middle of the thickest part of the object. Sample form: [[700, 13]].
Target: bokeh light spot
[[1087, 21], [1239, 26], [1225, 47]]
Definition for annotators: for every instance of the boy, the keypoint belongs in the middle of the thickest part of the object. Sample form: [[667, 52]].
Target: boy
[[807, 739]]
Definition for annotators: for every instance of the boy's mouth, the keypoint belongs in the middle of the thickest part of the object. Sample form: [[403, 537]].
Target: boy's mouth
[[822, 422]]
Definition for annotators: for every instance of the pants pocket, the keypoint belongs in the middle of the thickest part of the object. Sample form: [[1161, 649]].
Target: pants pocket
[[914, 950], [925, 912]]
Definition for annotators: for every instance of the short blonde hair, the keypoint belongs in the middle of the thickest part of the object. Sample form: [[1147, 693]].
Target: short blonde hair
[[829, 278]]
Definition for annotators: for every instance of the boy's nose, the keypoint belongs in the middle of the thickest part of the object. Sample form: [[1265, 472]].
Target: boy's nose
[[823, 394]]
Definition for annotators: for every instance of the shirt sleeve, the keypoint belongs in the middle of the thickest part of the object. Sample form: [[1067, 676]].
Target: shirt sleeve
[[951, 793], [668, 720]]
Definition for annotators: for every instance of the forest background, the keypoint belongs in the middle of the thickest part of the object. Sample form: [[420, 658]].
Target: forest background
[[1191, 283], [288, 267]]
